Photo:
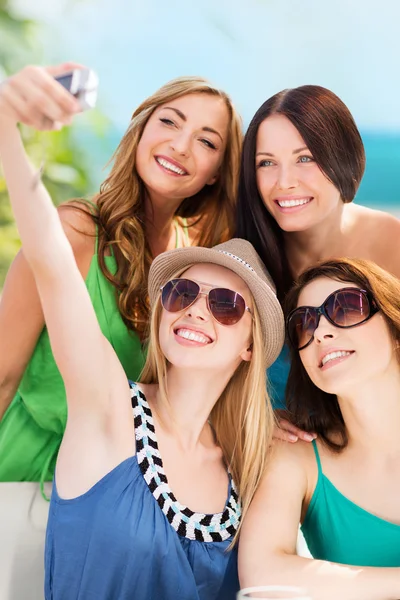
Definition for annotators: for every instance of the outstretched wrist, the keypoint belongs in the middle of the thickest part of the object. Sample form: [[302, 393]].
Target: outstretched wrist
[[8, 130]]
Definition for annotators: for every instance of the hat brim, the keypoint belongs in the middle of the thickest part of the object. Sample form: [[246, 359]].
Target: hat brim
[[168, 264]]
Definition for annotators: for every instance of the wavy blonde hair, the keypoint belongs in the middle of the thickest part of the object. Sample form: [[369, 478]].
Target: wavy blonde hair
[[242, 418], [120, 203]]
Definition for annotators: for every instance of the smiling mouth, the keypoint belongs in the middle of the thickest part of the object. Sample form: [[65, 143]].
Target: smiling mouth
[[193, 336], [334, 356], [169, 166], [294, 203]]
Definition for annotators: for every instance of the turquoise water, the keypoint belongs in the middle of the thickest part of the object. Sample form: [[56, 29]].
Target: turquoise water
[[380, 185]]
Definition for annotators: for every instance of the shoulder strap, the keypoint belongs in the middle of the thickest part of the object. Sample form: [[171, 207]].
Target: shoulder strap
[[176, 225], [317, 457], [185, 233], [134, 393], [90, 203]]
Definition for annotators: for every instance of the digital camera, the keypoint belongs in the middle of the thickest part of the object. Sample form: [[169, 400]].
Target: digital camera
[[81, 83]]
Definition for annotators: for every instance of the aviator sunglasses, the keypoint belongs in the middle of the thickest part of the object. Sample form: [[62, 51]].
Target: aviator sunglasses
[[344, 308], [226, 306]]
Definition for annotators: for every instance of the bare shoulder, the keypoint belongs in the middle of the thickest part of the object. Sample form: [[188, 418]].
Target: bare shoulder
[[286, 484], [77, 216], [80, 229], [296, 454], [290, 460], [376, 221], [381, 231]]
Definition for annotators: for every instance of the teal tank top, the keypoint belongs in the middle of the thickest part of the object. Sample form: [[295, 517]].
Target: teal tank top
[[340, 531]]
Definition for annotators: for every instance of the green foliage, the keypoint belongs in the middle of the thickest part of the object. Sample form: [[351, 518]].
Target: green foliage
[[66, 167], [19, 44]]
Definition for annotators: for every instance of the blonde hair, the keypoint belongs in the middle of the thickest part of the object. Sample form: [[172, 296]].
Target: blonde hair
[[242, 418], [120, 215]]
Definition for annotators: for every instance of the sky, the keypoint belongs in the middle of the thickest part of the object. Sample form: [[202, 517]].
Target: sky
[[250, 48]]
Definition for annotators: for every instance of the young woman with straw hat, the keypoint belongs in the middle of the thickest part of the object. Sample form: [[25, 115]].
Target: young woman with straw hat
[[152, 478]]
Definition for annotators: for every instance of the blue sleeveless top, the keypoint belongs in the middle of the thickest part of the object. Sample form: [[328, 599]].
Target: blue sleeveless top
[[128, 536], [338, 530], [277, 376]]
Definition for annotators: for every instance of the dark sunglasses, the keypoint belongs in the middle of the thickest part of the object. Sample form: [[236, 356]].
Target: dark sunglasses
[[226, 306], [347, 307]]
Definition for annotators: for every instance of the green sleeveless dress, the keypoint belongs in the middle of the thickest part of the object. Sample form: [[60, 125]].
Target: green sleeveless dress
[[340, 531], [32, 428]]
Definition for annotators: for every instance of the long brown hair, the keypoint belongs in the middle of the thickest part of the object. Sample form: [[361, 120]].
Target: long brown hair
[[311, 408], [329, 131], [242, 418], [120, 215]]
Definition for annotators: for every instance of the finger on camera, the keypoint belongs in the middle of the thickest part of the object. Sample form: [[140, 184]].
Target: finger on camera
[[55, 93], [65, 98], [48, 106], [14, 106], [26, 98], [61, 69]]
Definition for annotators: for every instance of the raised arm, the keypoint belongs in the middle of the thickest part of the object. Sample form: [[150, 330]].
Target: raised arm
[[80, 350], [267, 547], [21, 315]]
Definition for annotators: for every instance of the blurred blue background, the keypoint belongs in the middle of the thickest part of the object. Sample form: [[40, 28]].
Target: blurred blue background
[[251, 48]]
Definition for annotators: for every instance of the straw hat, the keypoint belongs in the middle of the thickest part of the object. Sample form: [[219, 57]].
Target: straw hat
[[240, 257]]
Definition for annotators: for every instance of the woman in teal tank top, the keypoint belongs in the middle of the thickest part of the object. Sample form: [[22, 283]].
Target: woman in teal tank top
[[343, 330], [167, 173]]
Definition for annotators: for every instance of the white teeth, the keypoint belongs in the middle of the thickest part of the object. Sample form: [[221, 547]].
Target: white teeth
[[192, 335], [167, 165], [333, 355], [290, 203]]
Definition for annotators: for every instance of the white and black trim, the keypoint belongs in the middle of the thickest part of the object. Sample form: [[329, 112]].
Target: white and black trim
[[194, 526]]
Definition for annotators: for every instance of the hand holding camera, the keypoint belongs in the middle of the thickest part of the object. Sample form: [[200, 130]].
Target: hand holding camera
[[47, 98]]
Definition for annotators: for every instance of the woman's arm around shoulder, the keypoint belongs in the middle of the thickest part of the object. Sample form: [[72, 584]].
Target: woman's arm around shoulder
[[267, 546]]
